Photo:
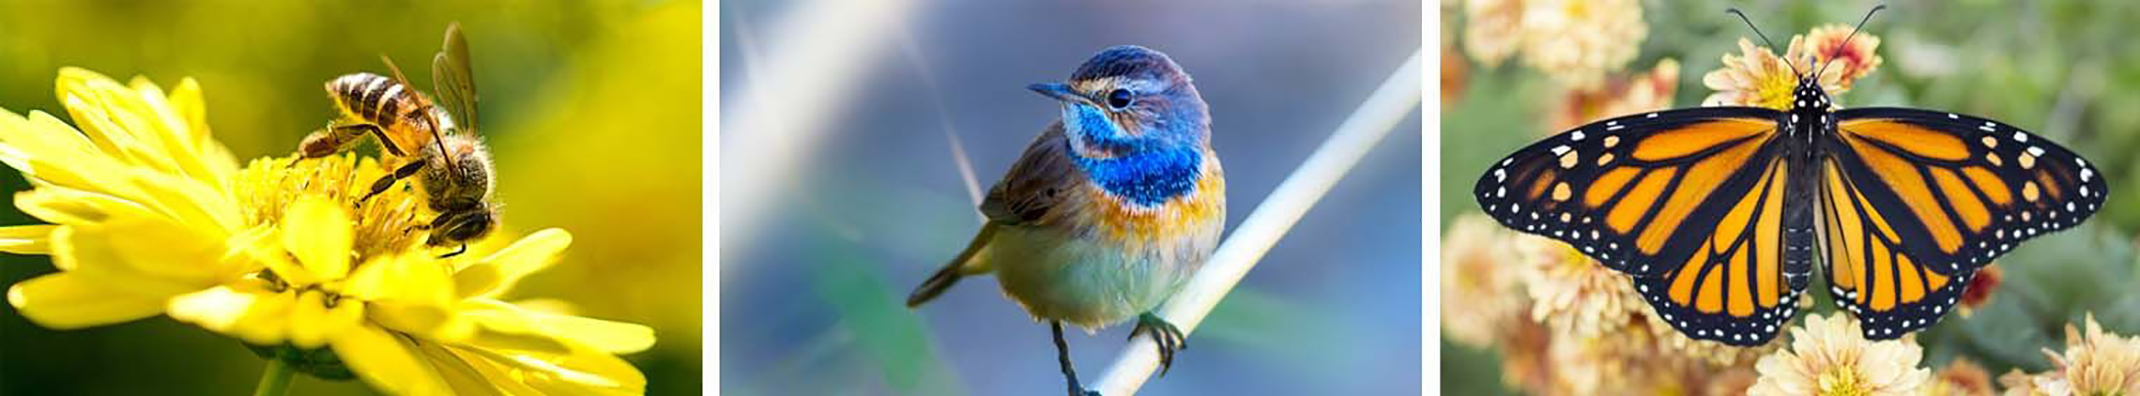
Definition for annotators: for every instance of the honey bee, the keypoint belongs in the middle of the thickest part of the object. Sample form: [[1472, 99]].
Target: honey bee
[[438, 142]]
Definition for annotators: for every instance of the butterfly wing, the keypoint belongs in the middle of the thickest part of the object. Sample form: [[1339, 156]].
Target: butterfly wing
[[1913, 202], [1689, 202]]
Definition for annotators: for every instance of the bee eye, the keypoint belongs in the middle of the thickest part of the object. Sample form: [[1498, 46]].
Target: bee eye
[[1118, 99]]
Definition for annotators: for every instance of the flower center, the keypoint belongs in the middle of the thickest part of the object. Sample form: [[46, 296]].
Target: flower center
[[394, 220], [1843, 380]]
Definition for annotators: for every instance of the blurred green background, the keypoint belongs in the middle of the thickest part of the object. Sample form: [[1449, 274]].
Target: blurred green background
[[2068, 70], [591, 109], [812, 304]]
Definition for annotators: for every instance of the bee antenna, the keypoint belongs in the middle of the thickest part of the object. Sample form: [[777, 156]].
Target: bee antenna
[[440, 141], [1846, 39], [1764, 38]]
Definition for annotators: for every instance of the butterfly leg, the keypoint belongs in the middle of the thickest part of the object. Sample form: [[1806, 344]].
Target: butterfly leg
[[1164, 336], [1062, 350]]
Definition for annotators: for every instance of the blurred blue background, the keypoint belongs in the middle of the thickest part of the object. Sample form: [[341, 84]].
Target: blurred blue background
[[812, 303]]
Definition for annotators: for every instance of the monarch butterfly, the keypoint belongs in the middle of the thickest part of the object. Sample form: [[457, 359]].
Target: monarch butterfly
[[1717, 214]]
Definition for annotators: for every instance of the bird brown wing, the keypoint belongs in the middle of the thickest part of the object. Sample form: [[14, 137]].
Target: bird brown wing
[[1037, 187]]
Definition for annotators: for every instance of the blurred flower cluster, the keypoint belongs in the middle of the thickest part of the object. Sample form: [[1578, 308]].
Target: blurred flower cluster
[[1576, 42], [150, 215], [2094, 363], [1566, 324]]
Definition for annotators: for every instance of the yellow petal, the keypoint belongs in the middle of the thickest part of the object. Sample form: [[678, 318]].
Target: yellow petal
[[584, 371], [63, 205], [318, 232], [608, 336], [192, 109], [70, 300], [170, 130], [387, 362], [267, 321], [308, 320], [467, 375], [27, 239], [170, 256], [90, 101], [189, 201], [217, 309], [47, 148], [497, 273]]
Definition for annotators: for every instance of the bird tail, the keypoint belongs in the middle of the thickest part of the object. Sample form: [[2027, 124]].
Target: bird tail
[[953, 271]]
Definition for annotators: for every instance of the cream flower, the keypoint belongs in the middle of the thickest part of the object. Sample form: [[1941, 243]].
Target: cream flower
[[1757, 78], [1493, 29], [1828, 356], [2095, 363], [1480, 274], [1576, 42], [1574, 295]]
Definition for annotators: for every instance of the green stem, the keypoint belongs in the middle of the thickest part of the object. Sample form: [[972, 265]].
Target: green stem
[[276, 381]]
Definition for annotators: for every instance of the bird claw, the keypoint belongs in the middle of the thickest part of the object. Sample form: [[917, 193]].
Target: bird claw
[[1165, 336]]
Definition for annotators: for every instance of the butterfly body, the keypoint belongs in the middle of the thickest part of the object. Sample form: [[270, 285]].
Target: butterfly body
[[1719, 214]]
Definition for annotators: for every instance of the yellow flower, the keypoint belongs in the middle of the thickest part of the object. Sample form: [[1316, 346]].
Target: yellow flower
[[1493, 29], [1850, 60], [1577, 41], [2095, 363], [1828, 356], [1480, 272], [1642, 92], [136, 200], [411, 323], [1759, 78], [150, 215]]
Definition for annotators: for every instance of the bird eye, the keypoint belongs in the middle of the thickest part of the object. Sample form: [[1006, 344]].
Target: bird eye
[[1118, 99]]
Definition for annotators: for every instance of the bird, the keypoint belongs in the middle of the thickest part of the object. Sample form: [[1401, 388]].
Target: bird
[[1109, 210]]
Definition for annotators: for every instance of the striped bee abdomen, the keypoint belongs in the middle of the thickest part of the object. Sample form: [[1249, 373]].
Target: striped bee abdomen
[[374, 98]]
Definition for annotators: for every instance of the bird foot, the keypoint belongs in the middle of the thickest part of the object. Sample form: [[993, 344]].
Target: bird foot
[[1164, 336]]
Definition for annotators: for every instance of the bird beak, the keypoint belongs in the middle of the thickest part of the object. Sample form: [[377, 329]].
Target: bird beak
[[1057, 91]]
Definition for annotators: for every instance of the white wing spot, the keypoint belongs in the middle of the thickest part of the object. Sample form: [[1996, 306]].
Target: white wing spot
[[1577, 136], [2021, 137]]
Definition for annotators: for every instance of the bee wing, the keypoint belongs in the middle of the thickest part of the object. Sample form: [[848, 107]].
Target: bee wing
[[451, 77]]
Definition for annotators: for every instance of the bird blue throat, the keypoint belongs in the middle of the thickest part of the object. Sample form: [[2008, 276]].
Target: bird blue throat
[[1145, 177]]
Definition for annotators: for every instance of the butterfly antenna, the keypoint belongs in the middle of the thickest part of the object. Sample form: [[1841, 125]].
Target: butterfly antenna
[[1764, 38], [1846, 39]]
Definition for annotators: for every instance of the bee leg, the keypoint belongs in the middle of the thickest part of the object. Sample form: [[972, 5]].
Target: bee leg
[[336, 137], [464, 249], [388, 181], [1164, 336], [1062, 350]]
